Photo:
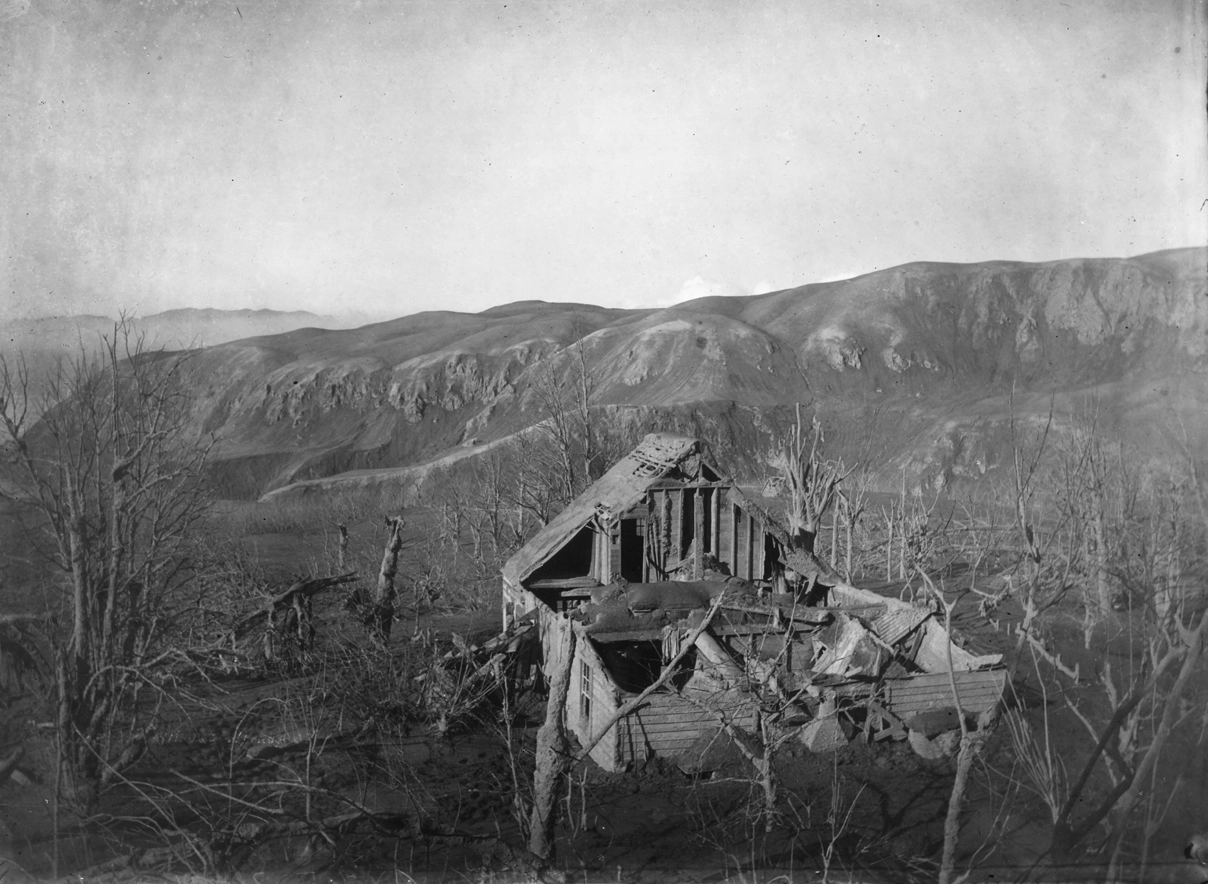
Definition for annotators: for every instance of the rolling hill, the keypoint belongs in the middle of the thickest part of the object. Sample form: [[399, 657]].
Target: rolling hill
[[45, 341], [916, 367]]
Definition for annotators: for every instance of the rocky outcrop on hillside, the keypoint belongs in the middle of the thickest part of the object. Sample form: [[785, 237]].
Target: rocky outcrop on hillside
[[301, 395], [924, 326], [920, 345]]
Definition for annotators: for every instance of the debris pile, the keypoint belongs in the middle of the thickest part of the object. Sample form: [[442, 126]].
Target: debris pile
[[860, 663]]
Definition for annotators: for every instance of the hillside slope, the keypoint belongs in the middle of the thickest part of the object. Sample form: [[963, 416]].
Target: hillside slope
[[44, 342], [900, 361]]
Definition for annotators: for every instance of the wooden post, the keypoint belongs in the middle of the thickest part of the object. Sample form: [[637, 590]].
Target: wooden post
[[715, 512], [698, 533], [342, 554], [647, 535], [668, 529], [735, 518], [758, 550], [604, 555], [749, 523]]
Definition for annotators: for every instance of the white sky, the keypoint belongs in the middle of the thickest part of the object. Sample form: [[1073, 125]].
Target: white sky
[[439, 154]]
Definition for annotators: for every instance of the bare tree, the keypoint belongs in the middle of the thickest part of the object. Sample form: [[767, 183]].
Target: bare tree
[[812, 481], [565, 388], [109, 481], [1108, 517]]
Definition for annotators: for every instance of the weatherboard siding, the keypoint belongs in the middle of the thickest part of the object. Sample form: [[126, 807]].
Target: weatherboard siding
[[669, 725], [725, 539], [978, 691], [603, 704]]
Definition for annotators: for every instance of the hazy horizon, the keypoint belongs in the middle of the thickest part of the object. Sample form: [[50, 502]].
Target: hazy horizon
[[394, 158], [689, 291]]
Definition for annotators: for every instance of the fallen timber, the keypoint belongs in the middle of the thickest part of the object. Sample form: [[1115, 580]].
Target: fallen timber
[[297, 594], [295, 608], [882, 660]]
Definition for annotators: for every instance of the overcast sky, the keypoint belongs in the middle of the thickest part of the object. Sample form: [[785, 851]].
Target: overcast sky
[[446, 154]]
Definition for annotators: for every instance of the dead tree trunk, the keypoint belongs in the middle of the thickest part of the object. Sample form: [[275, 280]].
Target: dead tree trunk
[[552, 754], [381, 614]]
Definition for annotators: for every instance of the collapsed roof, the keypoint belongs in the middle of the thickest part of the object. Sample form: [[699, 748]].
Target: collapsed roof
[[614, 492]]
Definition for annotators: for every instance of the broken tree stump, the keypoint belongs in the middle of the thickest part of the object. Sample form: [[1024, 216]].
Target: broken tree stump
[[381, 614]]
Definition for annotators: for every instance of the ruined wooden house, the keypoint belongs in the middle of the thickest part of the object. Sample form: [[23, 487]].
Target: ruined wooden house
[[635, 562]]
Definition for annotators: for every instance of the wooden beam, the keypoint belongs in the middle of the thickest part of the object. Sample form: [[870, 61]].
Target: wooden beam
[[676, 552], [749, 524], [759, 549], [663, 484], [760, 629], [664, 531], [633, 635], [698, 534], [735, 518]]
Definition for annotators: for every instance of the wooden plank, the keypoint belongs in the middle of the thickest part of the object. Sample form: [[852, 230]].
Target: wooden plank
[[757, 629], [676, 552], [685, 732], [748, 528], [665, 518], [596, 563], [723, 531], [613, 539], [661, 747], [885, 723], [698, 533], [678, 720], [668, 700], [603, 705], [691, 713], [979, 691], [735, 520], [654, 735], [564, 583], [687, 736], [715, 513], [648, 508], [612, 563], [633, 635], [736, 557], [662, 484], [759, 547]]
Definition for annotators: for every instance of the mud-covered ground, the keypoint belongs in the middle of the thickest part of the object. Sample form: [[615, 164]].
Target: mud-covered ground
[[331, 768]]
